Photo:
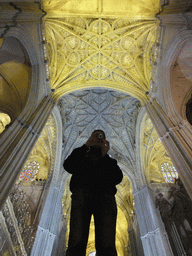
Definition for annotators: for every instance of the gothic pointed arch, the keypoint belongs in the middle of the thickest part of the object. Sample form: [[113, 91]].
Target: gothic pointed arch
[[152, 155], [15, 74], [23, 72], [175, 77]]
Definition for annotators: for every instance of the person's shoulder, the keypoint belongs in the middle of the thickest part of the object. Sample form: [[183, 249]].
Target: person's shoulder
[[110, 159], [83, 147]]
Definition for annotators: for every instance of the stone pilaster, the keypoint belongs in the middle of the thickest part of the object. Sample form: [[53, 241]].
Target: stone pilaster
[[49, 223], [6, 242], [153, 235]]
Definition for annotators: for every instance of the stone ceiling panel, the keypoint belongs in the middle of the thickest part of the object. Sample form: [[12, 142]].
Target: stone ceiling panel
[[112, 111], [87, 52]]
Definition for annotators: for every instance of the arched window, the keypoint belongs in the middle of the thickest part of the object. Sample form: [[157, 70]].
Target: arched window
[[29, 172], [169, 172]]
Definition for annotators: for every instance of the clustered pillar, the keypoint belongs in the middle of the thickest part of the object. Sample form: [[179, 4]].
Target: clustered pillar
[[153, 235], [174, 139], [17, 143]]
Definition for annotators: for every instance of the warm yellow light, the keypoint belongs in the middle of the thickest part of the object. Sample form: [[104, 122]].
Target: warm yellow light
[[1, 41], [128, 8], [4, 120], [101, 43], [122, 237]]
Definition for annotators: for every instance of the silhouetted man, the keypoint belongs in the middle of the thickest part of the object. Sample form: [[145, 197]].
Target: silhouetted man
[[93, 186]]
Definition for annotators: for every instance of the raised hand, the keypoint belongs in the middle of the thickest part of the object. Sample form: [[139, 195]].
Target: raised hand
[[105, 147]]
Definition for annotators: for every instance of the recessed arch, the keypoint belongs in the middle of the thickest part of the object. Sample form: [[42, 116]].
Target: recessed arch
[[180, 78], [168, 64], [102, 103], [44, 161], [150, 150], [33, 52], [15, 77], [124, 88]]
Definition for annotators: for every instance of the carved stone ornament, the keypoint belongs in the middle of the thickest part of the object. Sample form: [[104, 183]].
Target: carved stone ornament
[[111, 111]]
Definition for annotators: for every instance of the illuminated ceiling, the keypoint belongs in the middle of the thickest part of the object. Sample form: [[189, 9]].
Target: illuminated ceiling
[[101, 54], [90, 48], [126, 8], [113, 111]]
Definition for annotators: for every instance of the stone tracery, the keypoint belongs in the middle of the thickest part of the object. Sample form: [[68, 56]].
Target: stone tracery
[[90, 51], [114, 112]]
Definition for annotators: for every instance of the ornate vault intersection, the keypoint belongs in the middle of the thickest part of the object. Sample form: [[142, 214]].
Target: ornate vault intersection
[[115, 53]]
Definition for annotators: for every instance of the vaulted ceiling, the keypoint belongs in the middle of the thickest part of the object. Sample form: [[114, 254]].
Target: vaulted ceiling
[[112, 46], [112, 111], [101, 55]]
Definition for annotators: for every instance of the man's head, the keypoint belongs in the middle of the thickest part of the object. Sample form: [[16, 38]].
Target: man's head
[[99, 134], [98, 140]]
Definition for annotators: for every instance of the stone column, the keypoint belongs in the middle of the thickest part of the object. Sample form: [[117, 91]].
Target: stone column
[[6, 242], [48, 227], [153, 235], [135, 237], [177, 146], [17, 143]]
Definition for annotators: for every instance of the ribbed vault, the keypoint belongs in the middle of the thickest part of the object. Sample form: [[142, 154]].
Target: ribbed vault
[[101, 55], [113, 111], [110, 52]]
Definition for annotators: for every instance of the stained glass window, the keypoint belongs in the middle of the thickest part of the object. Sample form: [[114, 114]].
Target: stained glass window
[[29, 172], [169, 172]]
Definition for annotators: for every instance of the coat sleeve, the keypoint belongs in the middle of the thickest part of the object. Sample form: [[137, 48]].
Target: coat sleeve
[[113, 172], [75, 160], [118, 175]]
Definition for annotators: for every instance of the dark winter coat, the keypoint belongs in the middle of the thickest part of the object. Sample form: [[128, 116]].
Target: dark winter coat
[[94, 175]]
